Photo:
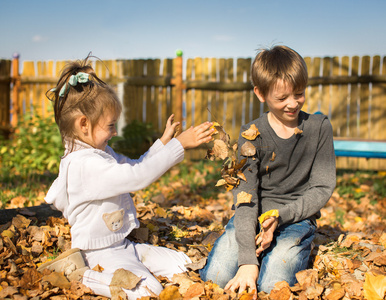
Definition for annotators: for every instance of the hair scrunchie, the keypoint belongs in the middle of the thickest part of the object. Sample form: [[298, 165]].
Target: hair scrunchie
[[81, 77]]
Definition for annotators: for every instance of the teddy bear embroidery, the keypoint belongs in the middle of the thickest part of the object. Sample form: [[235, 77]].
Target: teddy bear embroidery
[[114, 220]]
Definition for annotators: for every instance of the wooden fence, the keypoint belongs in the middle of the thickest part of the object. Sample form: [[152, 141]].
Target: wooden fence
[[350, 90]]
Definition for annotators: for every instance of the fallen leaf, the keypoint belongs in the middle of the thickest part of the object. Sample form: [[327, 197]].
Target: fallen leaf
[[20, 222], [314, 291], [170, 293], [243, 197], [8, 291], [374, 287], [183, 281], [220, 149], [195, 290], [98, 268], [298, 131], [251, 133], [247, 149], [122, 279], [240, 164], [57, 279], [307, 277], [281, 291], [241, 176], [221, 182], [273, 156], [268, 214], [247, 296]]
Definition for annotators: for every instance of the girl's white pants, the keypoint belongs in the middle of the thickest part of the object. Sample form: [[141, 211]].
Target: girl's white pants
[[140, 259]]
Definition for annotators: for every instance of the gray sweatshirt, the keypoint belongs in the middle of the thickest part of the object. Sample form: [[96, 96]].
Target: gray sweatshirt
[[295, 175]]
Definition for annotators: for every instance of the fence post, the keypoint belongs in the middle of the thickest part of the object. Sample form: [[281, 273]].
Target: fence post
[[15, 110], [178, 87]]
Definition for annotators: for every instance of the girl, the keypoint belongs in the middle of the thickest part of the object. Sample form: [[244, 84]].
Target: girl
[[92, 189]]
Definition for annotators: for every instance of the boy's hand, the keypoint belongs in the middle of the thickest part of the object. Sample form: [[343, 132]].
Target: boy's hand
[[245, 277], [195, 136], [268, 228], [169, 130]]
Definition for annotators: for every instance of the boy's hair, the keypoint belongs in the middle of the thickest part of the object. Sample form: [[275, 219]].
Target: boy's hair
[[279, 62], [91, 98]]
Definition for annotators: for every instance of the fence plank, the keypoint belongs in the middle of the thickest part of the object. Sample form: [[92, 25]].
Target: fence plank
[[325, 106], [315, 91], [5, 95], [338, 111], [219, 111], [229, 98], [345, 97], [189, 96], [354, 100], [364, 131], [199, 101]]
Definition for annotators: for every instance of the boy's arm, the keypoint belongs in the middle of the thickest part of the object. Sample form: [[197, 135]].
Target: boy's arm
[[246, 213], [321, 183]]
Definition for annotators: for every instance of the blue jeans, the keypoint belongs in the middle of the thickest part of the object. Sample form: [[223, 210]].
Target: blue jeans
[[288, 254]]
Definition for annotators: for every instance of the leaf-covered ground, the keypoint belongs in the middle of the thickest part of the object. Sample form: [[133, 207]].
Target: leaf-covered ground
[[185, 211]]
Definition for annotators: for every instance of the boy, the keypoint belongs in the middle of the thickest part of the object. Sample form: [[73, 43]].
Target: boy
[[293, 171]]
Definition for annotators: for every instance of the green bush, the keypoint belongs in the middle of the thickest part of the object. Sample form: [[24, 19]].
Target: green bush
[[35, 147], [136, 139]]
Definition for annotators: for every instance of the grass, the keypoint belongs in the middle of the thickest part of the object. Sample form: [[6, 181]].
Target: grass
[[189, 177], [19, 188]]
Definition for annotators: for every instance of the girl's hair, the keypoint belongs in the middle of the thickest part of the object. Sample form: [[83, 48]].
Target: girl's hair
[[91, 97], [279, 62]]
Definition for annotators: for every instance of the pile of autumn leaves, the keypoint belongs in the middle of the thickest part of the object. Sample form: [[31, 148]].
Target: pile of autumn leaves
[[349, 258]]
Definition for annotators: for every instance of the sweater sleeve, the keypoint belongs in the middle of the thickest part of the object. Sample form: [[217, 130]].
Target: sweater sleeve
[[321, 183], [246, 214], [103, 178]]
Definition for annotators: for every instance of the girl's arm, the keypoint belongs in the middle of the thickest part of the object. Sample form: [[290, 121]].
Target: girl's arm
[[103, 177]]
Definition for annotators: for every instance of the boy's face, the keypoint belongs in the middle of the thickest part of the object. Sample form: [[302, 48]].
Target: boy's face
[[283, 102]]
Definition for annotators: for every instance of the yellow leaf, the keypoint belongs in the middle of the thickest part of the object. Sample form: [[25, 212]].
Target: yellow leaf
[[215, 124], [221, 182], [243, 197], [159, 211], [382, 239], [374, 287], [268, 214], [298, 131], [251, 133], [7, 233], [98, 268], [170, 292]]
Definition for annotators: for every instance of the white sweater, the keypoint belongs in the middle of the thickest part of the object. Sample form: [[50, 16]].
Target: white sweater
[[92, 190]]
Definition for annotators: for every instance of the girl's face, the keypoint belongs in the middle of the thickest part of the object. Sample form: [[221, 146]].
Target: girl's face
[[284, 103], [104, 130]]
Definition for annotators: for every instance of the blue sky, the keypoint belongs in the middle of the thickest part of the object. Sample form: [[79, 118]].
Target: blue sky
[[59, 30]]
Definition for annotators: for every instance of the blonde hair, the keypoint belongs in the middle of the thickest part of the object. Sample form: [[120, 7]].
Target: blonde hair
[[92, 99], [279, 62]]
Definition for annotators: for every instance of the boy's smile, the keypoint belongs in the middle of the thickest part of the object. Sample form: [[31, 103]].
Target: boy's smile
[[284, 103]]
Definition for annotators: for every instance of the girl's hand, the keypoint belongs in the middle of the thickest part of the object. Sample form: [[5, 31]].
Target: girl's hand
[[169, 130], [269, 226], [245, 277], [195, 136]]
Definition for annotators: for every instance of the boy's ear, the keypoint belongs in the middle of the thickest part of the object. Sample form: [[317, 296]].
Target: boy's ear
[[258, 94]]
